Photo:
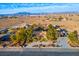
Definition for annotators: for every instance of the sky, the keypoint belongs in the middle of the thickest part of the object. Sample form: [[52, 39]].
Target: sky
[[10, 8]]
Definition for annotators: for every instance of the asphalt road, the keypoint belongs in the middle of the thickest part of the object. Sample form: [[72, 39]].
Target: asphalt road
[[39, 52], [43, 53]]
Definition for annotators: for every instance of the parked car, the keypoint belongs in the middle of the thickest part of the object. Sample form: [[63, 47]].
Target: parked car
[[4, 37]]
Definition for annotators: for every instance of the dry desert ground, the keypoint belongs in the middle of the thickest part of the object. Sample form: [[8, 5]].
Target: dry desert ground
[[68, 21]]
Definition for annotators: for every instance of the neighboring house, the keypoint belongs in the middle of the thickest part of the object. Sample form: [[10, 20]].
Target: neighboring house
[[62, 32]]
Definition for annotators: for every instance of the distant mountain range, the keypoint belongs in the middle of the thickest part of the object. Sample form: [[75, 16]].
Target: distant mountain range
[[28, 13]]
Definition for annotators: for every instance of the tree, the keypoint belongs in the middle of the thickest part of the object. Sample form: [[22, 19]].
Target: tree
[[13, 39], [22, 36], [19, 36], [73, 38], [29, 33], [51, 33]]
